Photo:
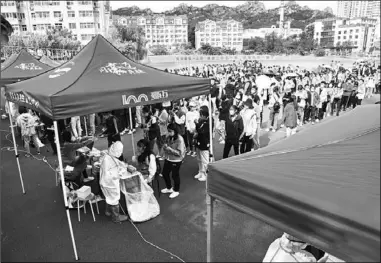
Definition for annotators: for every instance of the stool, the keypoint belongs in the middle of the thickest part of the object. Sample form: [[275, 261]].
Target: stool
[[86, 200]]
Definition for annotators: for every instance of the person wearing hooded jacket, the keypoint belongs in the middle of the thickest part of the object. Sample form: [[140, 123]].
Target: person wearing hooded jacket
[[291, 249], [111, 171], [202, 138], [234, 131]]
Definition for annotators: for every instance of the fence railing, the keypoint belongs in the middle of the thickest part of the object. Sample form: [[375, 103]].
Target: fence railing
[[61, 55]]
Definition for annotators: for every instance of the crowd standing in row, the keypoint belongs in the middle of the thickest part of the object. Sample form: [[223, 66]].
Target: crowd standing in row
[[239, 94]]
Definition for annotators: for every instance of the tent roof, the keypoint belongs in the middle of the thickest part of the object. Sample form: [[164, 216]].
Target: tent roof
[[321, 185], [99, 78], [48, 61], [21, 66]]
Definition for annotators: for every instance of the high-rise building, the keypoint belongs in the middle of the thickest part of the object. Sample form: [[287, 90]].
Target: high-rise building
[[160, 30], [228, 34], [333, 32], [84, 18], [351, 9]]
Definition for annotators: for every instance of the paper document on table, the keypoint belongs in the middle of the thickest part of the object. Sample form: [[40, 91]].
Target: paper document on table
[[69, 168]]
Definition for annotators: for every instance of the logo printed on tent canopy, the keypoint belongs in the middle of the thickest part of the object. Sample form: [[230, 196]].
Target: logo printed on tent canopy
[[61, 71], [28, 66], [21, 97], [120, 69], [156, 95]]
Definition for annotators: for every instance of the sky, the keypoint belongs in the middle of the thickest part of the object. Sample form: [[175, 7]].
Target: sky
[[160, 6]]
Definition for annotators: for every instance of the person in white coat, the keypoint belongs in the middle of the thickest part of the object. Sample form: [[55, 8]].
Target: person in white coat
[[291, 249], [110, 173]]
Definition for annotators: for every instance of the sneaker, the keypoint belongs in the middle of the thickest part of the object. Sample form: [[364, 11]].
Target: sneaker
[[160, 159], [4, 116], [161, 174], [267, 129], [167, 191], [27, 155], [189, 152], [282, 125], [88, 179], [174, 194], [317, 121], [130, 132], [197, 176], [274, 130], [122, 133], [222, 142], [202, 178], [194, 154], [313, 123]]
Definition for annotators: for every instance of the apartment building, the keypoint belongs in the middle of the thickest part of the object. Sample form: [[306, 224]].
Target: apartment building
[[159, 30], [352, 9], [84, 18], [333, 32], [263, 32], [228, 34]]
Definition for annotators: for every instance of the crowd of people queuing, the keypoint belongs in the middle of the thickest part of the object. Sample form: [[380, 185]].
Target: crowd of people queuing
[[174, 130]]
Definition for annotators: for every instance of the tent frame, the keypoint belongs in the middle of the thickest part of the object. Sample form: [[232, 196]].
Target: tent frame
[[15, 147], [61, 171]]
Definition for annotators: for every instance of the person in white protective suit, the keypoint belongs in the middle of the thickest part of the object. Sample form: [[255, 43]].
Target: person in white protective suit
[[291, 249], [111, 171]]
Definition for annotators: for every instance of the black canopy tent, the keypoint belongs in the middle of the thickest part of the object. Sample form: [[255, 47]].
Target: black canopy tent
[[321, 185], [99, 79], [46, 60], [21, 66]]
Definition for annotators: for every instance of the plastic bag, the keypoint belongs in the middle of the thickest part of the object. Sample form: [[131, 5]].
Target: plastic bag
[[140, 199]]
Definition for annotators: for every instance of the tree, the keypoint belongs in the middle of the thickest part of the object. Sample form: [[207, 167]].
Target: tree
[[257, 44], [136, 35], [207, 49], [61, 38], [159, 51]]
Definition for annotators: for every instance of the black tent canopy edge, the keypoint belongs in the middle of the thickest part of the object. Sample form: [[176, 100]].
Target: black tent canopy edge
[[292, 220], [7, 81]]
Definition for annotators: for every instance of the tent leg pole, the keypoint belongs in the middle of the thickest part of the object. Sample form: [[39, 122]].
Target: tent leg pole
[[15, 147], [132, 133], [209, 216], [211, 157], [64, 188]]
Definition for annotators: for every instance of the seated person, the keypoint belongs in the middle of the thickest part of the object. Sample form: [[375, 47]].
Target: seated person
[[146, 160], [69, 157]]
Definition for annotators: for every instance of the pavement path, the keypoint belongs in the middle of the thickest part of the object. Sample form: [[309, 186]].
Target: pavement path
[[34, 226]]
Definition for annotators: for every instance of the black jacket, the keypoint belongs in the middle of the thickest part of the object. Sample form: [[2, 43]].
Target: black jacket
[[234, 129], [202, 137]]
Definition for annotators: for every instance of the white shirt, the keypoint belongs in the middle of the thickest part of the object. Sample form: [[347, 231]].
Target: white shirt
[[190, 117]]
